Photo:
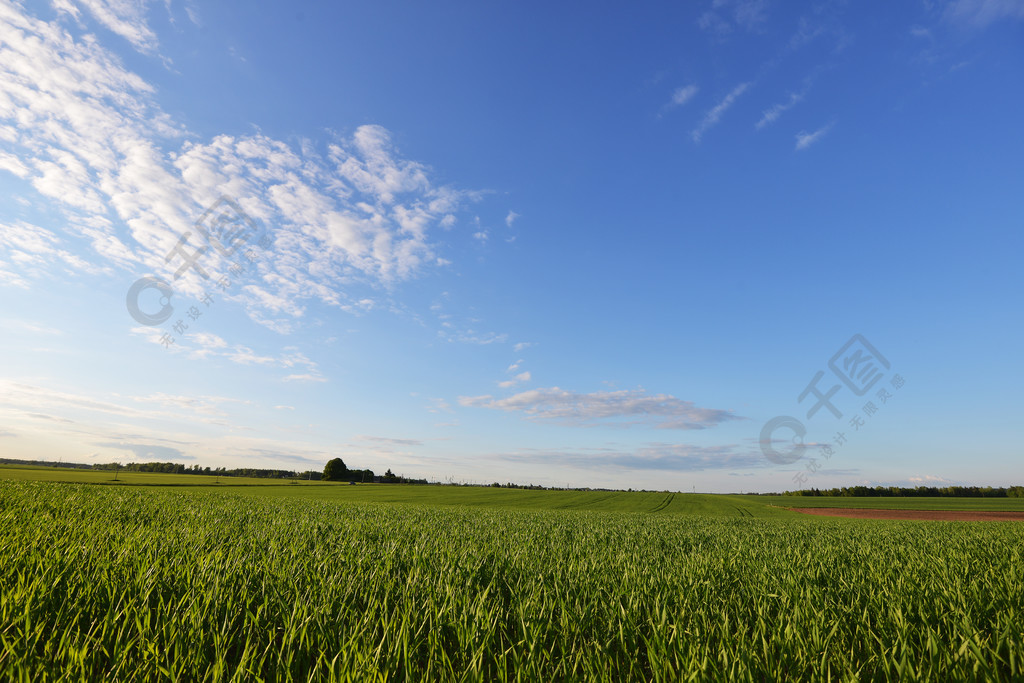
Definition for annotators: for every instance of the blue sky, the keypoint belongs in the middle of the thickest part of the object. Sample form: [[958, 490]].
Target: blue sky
[[590, 244]]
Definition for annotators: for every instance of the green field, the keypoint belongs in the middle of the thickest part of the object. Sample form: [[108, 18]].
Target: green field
[[475, 496], [382, 583], [522, 499]]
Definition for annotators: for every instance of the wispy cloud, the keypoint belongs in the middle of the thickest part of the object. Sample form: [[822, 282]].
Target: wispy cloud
[[727, 15], [660, 410], [805, 139], [651, 457], [205, 345], [981, 13], [55, 403], [307, 377], [511, 218], [439, 405], [772, 113], [518, 379], [149, 452], [203, 405], [715, 113], [29, 326], [126, 18], [930, 480], [683, 95], [470, 336], [390, 441], [455, 329], [36, 251]]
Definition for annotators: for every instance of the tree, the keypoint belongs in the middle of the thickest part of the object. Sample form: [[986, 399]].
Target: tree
[[335, 470]]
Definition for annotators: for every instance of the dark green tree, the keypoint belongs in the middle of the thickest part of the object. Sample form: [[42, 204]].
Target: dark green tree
[[335, 470]]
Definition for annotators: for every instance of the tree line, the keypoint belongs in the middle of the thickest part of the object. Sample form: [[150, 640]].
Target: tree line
[[336, 470], [918, 491], [178, 468]]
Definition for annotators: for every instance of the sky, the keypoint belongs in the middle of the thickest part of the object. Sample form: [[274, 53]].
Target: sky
[[721, 246]]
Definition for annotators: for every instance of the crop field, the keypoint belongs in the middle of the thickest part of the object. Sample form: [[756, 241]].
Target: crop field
[[143, 583], [659, 503], [893, 503]]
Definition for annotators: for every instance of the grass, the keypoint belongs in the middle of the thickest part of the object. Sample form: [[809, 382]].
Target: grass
[[524, 499], [132, 583]]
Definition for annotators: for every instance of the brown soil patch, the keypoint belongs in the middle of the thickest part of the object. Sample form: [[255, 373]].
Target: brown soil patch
[[945, 515]]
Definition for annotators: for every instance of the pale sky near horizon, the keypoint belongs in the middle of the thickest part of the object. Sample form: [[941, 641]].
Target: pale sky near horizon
[[592, 244]]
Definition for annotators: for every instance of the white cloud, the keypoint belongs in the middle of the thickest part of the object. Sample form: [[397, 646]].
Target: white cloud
[[511, 218], [88, 131], [210, 344], [715, 113], [661, 410], [36, 249], [683, 95], [12, 164], [126, 18], [243, 355], [772, 114], [805, 139], [518, 379], [88, 135]]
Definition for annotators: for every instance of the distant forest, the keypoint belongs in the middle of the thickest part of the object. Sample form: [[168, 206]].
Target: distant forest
[[177, 468], [920, 491]]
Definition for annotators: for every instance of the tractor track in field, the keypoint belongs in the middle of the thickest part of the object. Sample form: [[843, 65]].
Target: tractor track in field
[[665, 503]]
